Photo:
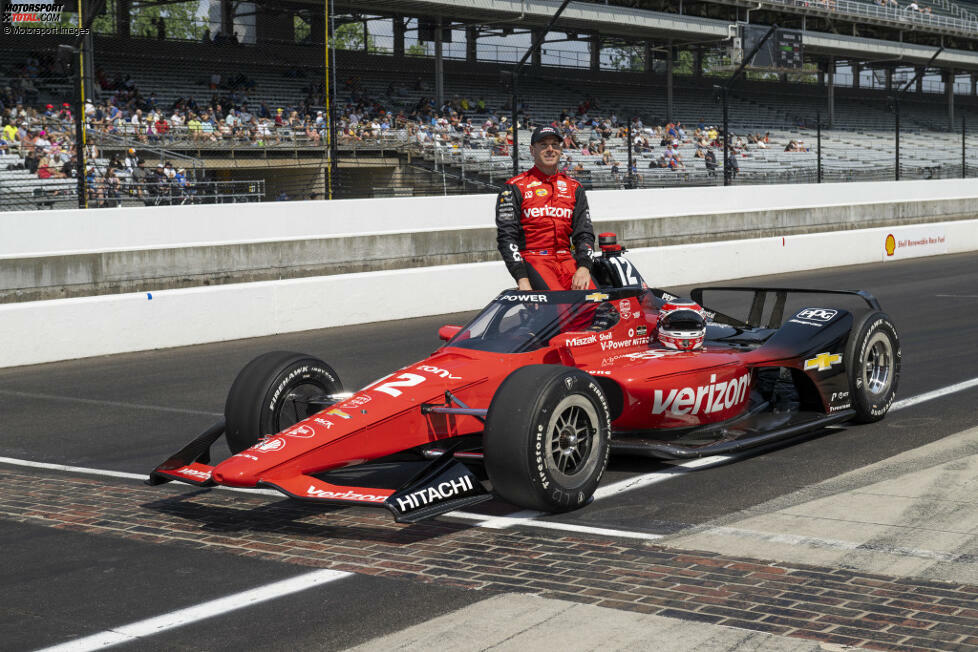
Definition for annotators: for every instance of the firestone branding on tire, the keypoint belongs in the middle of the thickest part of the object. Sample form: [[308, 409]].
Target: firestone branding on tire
[[592, 391], [302, 371]]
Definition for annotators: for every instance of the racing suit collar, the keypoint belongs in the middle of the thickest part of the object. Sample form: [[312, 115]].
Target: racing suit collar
[[541, 175]]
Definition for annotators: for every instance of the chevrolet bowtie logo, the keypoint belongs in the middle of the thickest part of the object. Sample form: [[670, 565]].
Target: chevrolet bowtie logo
[[596, 296], [823, 361]]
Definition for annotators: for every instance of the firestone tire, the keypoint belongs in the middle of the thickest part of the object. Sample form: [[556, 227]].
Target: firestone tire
[[262, 400], [547, 436], [873, 365]]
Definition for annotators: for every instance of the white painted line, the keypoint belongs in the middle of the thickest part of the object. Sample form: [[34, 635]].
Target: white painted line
[[957, 296], [937, 393], [639, 481], [73, 469], [119, 474], [93, 401], [527, 519], [135, 631]]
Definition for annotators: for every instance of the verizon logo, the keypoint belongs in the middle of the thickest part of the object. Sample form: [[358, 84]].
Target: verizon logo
[[705, 399], [547, 211]]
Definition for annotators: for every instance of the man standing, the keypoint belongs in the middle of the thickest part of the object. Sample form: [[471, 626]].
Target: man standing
[[540, 215]]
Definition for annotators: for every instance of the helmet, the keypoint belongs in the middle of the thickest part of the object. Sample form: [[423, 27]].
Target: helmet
[[682, 325]]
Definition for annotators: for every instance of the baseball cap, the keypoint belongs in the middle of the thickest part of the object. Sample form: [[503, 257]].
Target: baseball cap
[[542, 132]]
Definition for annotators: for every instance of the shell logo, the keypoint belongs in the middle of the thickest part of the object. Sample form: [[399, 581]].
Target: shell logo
[[890, 245]]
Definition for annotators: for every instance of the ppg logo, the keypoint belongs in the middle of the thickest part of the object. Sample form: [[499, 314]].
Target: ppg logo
[[818, 314]]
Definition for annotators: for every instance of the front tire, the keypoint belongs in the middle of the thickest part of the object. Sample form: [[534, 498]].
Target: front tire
[[267, 396], [873, 366], [547, 436]]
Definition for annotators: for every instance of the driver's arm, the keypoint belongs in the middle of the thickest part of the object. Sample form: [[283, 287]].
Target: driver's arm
[[509, 233], [582, 236]]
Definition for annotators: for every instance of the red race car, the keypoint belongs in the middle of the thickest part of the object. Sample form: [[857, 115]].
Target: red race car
[[528, 399]]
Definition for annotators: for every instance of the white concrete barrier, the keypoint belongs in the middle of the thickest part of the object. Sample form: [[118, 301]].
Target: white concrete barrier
[[110, 229], [46, 331]]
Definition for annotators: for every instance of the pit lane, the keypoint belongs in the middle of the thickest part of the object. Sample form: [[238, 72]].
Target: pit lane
[[127, 412]]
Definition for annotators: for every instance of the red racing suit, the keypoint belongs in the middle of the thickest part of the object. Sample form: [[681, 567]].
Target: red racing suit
[[538, 218]]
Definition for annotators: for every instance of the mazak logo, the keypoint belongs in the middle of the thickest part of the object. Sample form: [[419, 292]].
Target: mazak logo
[[823, 362], [817, 314], [705, 399], [547, 211], [582, 341], [27, 14]]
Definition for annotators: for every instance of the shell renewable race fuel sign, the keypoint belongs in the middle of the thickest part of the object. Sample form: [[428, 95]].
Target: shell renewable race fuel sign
[[914, 242]]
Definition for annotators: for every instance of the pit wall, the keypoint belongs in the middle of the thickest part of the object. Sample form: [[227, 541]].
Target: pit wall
[[116, 251], [63, 232], [46, 331]]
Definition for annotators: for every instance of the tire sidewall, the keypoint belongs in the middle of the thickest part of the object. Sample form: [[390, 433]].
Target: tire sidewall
[[259, 391], [308, 371], [870, 407], [559, 492]]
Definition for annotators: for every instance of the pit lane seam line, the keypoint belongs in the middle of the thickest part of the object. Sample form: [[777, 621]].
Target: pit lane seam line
[[838, 544], [95, 401], [143, 628]]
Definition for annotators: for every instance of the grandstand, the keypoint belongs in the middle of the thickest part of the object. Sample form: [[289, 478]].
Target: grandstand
[[395, 136]]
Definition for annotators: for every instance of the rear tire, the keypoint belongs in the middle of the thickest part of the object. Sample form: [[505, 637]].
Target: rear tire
[[873, 366], [547, 436], [263, 398]]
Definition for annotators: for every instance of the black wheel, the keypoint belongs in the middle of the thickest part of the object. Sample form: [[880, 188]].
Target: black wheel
[[873, 366], [546, 440], [270, 393]]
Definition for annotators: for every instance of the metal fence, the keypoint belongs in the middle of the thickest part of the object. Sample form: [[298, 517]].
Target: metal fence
[[116, 191]]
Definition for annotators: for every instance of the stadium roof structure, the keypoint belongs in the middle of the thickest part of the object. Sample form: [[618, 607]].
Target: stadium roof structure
[[859, 31]]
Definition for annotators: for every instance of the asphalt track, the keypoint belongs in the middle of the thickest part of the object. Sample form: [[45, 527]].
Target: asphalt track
[[72, 567]]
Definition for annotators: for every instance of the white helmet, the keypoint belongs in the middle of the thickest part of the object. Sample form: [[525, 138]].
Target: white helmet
[[682, 325]]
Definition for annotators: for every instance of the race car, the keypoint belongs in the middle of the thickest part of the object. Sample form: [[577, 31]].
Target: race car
[[527, 401]]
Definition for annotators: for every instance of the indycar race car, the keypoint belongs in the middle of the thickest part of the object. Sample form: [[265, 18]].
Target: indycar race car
[[529, 398]]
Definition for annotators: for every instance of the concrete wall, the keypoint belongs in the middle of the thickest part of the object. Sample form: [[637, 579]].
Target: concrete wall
[[31, 233], [126, 250], [45, 331]]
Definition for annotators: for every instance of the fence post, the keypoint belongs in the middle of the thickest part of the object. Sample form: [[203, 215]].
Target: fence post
[[964, 160], [818, 140], [628, 135]]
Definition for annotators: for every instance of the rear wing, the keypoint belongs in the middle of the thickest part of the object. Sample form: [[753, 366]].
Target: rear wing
[[755, 316]]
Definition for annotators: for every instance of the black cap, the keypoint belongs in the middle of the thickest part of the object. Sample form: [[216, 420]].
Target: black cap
[[542, 132]]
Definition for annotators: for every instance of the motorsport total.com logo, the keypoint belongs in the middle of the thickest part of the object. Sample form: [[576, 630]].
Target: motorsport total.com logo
[[36, 18], [32, 14]]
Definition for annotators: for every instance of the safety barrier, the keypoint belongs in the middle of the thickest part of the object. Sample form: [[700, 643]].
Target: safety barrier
[[45, 331], [129, 250]]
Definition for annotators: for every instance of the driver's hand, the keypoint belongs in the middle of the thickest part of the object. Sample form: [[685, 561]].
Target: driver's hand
[[523, 284], [582, 279]]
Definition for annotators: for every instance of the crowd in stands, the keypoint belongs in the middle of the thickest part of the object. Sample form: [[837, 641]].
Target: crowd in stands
[[45, 139]]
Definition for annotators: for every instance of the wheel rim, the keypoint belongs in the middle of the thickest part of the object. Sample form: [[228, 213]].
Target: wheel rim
[[877, 365], [570, 438], [295, 407]]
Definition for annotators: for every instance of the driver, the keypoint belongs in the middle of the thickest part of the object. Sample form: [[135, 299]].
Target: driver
[[540, 214]]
